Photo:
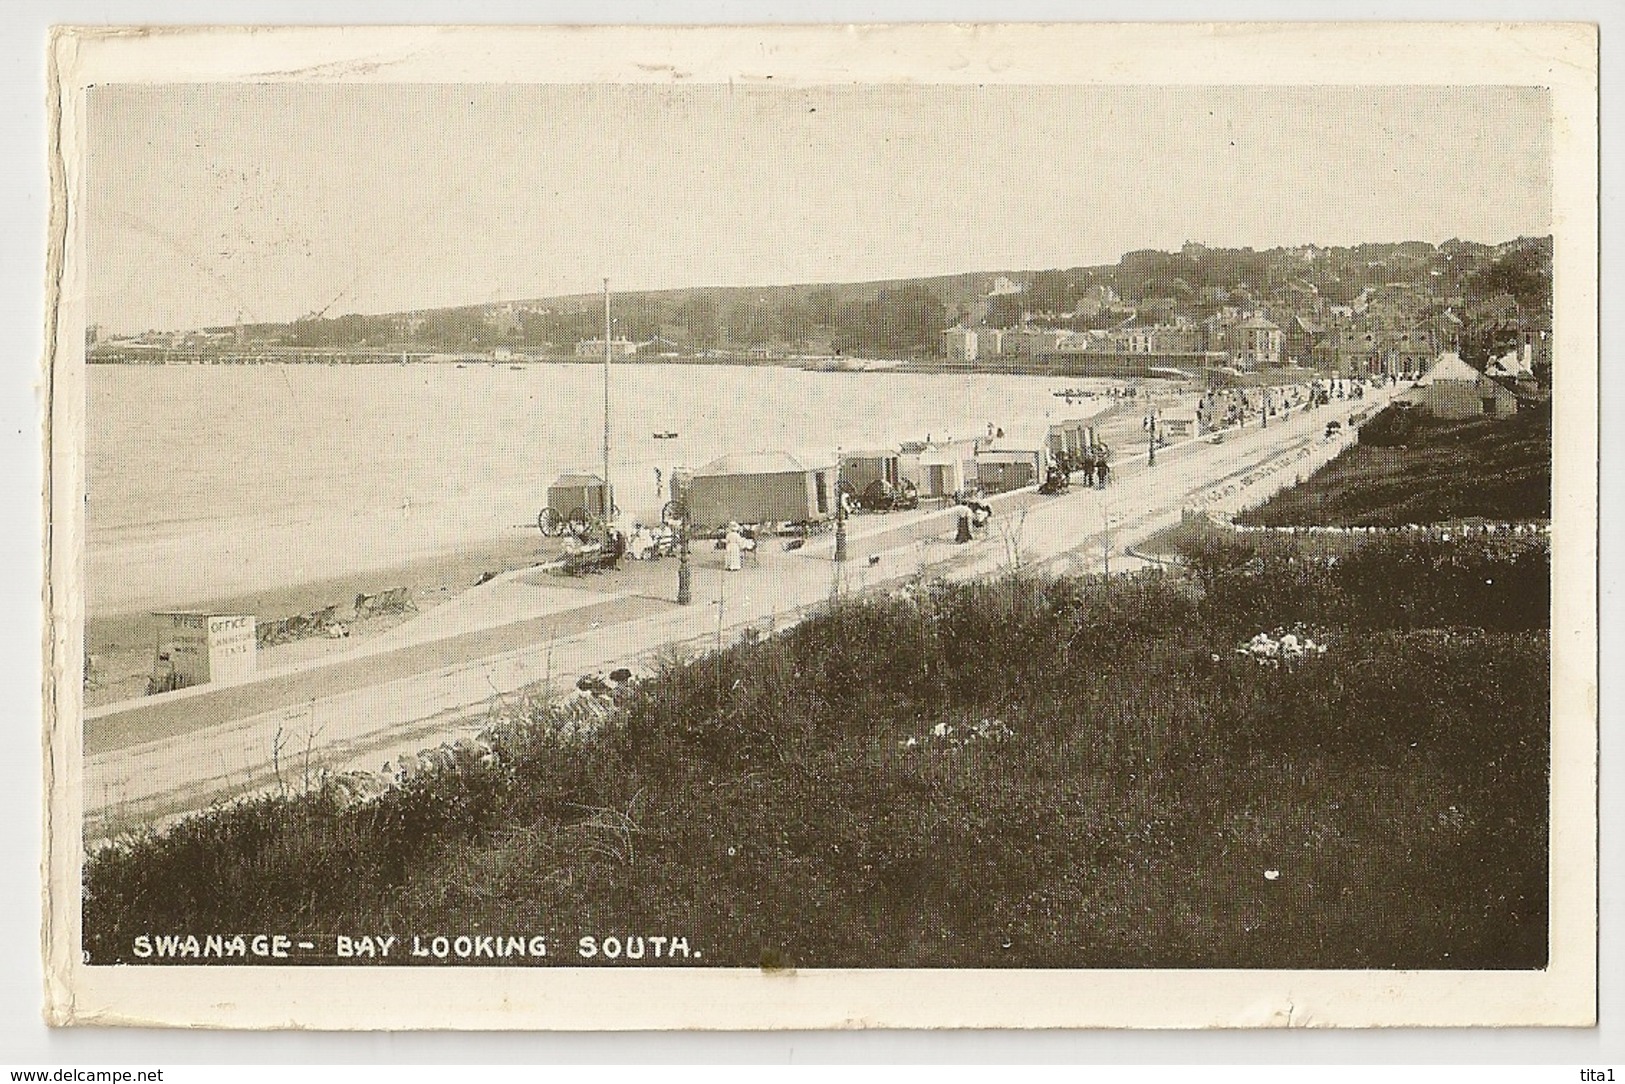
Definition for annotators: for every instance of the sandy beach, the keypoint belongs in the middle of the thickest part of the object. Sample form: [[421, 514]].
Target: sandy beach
[[121, 645]]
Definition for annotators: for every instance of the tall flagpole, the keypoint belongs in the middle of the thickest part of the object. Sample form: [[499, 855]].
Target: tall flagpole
[[608, 501]]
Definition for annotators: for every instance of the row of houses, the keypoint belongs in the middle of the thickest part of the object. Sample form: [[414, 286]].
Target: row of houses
[[1376, 341], [1251, 339]]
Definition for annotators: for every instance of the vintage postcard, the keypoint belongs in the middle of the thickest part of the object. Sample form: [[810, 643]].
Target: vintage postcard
[[823, 527]]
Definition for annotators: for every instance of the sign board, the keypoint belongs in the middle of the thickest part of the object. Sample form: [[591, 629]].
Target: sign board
[[199, 648]]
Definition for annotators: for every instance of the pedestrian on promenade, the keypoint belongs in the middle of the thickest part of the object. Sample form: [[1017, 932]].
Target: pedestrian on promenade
[[734, 543], [962, 518]]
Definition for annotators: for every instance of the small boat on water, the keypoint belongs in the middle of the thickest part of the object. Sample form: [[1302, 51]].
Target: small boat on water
[[667, 435]]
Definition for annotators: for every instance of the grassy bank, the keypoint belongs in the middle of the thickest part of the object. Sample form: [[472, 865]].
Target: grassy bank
[[1412, 468], [1010, 773]]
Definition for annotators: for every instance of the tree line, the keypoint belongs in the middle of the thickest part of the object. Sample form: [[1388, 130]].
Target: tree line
[[906, 318]]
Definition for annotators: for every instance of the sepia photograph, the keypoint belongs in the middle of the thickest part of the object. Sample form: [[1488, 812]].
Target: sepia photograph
[[649, 510]]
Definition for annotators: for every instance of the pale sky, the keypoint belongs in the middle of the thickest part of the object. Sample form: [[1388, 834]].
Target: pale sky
[[275, 200]]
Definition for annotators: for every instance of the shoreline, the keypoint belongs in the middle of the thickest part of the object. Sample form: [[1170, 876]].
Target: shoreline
[[122, 643]]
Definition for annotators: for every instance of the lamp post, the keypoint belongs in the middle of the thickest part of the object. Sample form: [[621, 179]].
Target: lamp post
[[609, 513], [1106, 542], [1264, 409], [685, 577], [675, 518], [840, 510], [1151, 441]]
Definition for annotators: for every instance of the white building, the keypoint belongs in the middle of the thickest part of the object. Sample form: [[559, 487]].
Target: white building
[[594, 348], [961, 344], [1257, 341]]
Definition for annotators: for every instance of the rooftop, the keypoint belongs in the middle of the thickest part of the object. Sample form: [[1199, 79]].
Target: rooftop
[[757, 463]]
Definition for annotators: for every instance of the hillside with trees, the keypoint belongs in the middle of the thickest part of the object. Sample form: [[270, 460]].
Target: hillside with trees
[[1494, 289]]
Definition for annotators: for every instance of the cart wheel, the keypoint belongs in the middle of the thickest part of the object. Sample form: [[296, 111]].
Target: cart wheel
[[579, 521], [674, 514], [548, 522]]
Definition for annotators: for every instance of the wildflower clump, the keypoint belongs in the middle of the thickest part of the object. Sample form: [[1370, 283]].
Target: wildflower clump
[[947, 736], [1283, 648]]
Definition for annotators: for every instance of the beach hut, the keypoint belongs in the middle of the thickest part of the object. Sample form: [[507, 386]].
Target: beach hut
[[678, 486], [761, 487], [1017, 459], [862, 469], [938, 469], [579, 491], [1178, 424], [1071, 437]]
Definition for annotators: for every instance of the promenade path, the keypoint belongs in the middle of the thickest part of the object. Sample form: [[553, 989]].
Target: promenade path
[[525, 634]]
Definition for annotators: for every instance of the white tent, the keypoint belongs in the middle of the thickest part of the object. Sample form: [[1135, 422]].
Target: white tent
[[1454, 389], [1450, 369]]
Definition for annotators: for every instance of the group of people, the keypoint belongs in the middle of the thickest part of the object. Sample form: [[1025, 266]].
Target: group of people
[[583, 553], [1221, 408], [648, 544], [1093, 462], [645, 544], [1338, 388]]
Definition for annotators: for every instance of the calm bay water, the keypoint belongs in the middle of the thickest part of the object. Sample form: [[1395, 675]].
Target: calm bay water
[[211, 481]]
